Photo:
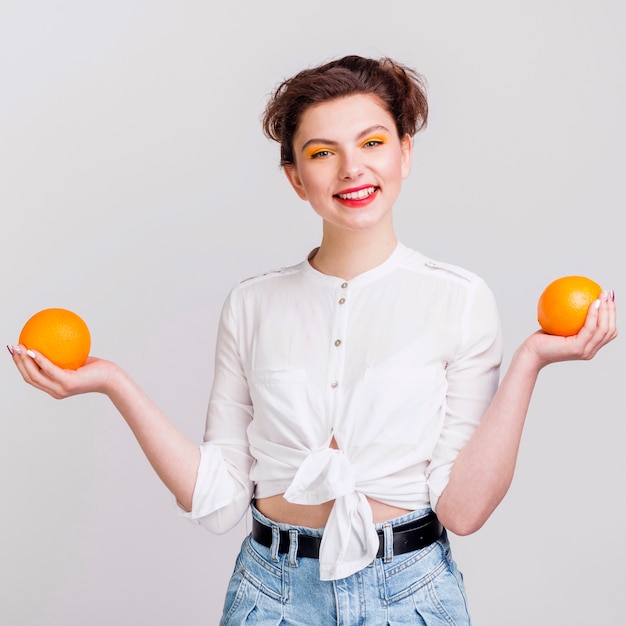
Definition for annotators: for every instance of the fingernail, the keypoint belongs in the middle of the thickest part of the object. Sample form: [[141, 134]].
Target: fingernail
[[31, 354], [17, 350], [596, 304], [10, 349], [612, 295]]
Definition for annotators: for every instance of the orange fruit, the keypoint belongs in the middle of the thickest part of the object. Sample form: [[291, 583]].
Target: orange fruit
[[563, 305], [60, 335]]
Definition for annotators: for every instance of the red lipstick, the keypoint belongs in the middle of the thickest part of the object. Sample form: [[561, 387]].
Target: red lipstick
[[357, 196]]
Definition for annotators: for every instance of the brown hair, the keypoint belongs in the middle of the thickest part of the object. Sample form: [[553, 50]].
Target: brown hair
[[400, 89]]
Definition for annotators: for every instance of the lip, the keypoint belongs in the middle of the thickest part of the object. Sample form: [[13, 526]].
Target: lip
[[359, 198]]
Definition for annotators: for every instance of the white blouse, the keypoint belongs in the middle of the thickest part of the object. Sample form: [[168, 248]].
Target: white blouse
[[397, 364]]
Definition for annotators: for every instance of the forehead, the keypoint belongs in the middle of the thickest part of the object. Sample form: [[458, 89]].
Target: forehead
[[343, 117]]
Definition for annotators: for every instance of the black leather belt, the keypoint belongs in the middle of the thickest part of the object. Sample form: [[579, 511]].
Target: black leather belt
[[406, 538]]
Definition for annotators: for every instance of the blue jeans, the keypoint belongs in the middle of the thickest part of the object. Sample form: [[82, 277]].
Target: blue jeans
[[422, 587]]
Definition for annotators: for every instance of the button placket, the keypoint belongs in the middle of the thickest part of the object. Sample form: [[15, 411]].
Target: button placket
[[337, 356]]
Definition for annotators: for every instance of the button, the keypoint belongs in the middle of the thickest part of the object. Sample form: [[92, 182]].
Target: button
[[342, 300], [337, 342], [334, 384], [344, 285]]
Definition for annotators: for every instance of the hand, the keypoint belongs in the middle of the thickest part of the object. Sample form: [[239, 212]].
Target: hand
[[41, 373], [599, 329]]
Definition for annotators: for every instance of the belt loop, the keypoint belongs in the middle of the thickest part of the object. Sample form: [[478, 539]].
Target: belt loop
[[293, 547], [275, 544], [388, 542]]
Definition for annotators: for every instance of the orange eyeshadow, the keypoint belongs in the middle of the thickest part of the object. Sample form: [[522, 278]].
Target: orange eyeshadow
[[314, 149], [381, 138]]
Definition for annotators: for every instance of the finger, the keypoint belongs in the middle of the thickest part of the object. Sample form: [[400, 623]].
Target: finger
[[18, 352], [42, 364], [599, 327], [591, 321], [38, 371], [611, 311], [607, 316]]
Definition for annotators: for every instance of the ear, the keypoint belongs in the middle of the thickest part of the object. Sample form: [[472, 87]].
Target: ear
[[406, 145], [291, 172]]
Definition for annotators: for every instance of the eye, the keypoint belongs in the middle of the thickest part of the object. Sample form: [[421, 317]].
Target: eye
[[372, 143], [319, 154]]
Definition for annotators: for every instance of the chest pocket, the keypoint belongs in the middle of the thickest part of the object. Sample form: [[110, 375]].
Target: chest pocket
[[279, 399], [401, 406]]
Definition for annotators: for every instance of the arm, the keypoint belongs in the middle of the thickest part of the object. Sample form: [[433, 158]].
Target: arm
[[174, 457], [483, 470], [210, 481]]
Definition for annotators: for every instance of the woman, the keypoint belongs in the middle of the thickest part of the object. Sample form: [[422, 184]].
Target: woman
[[355, 393]]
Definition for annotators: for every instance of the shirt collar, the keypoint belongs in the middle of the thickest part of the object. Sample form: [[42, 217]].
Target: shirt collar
[[394, 260]]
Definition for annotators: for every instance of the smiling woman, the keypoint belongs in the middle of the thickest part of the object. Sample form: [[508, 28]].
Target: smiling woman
[[356, 408]]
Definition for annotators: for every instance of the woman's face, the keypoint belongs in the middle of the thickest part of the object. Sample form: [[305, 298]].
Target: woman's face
[[349, 162]]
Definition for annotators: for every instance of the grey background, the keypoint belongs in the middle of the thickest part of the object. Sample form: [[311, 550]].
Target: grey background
[[136, 188]]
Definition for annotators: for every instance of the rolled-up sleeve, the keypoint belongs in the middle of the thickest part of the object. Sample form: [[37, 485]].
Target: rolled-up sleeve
[[472, 379], [223, 489]]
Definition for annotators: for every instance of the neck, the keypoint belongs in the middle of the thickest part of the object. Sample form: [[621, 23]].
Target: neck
[[347, 257]]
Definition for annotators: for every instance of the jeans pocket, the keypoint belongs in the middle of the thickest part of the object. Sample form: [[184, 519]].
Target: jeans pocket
[[426, 584], [255, 591]]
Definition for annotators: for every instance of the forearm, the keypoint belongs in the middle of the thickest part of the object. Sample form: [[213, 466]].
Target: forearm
[[174, 457], [483, 471]]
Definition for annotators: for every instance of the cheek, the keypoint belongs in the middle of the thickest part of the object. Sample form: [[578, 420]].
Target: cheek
[[296, 181], [397, 171], [313, 184]]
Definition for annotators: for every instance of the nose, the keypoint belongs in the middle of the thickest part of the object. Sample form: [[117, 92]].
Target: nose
[[351, 166]]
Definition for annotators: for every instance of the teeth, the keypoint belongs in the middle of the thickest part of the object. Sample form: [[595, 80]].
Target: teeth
[[357, 195]]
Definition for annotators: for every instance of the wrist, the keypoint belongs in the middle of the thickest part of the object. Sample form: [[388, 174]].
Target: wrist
[[113, 379], [527, 358]]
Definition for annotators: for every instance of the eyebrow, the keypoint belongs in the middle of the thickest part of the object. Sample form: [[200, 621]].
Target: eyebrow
[[361, 135]]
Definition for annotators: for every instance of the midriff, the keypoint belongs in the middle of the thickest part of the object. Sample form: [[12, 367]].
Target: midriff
[[280, 510]]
